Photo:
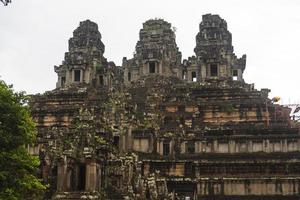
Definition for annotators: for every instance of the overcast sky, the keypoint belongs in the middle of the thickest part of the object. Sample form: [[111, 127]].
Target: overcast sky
[[34, 36]]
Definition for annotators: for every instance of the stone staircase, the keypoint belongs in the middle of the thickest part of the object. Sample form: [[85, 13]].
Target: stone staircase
[[77, 196]]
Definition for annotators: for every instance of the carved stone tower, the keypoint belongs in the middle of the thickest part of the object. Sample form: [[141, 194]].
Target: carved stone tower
[[215, 58], [156, 52], [84, 63]]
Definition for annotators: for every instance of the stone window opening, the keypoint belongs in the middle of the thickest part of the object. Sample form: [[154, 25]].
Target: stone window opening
[[101, 80], [52, 173], [190, 147], [183, 75], [129, 76], [116, 141], [213, 70], [167, 120], [194, 76], [81, 177], [63, 81], [77, 175], [110, 81], [235, 74], [152, 67], [77, 74], [181, 108], [73, 180], [166, 148]]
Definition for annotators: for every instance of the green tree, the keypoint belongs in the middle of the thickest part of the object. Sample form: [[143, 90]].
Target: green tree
[[5, 2], [17, 130]]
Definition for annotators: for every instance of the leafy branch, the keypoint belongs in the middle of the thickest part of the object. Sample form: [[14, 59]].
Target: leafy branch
[[5, 2]]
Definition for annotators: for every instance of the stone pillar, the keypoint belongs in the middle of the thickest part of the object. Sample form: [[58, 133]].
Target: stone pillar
[[87, 78], [123, 143], [146, 170], [145, 69], [200, 147], [171, 147], [267, 146], [129, 139], [81, 76], [72, 76], [285, 147], [203, 72], [151, 143], [182, 147], [250, 146], [198, 189], [190, 79], [61, 177], [215, 148], [160, 68], [158, 147], [231, 144], [91, 176], [197, 147], [68, 77]]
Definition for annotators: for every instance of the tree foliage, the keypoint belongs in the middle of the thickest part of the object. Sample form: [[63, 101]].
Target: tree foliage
[[5, 2], [17, 130]]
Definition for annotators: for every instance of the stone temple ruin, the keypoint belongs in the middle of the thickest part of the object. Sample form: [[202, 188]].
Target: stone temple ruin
[[158, 127]]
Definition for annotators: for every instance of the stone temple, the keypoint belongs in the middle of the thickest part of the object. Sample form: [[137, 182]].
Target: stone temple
[[159, 127]]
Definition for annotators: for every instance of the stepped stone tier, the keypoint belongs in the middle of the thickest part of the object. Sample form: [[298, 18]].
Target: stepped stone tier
[[162, 128]]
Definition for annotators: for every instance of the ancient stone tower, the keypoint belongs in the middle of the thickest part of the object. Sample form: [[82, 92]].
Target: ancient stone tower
[[162, 128], [214, 51], [85, 63], [156, 52]]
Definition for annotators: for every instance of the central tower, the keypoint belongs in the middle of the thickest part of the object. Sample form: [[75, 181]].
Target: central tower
[[156, 52]]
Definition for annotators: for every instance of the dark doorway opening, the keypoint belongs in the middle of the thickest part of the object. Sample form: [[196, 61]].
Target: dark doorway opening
[[183, 75], [77, 75], [190, 147], [152, 67], [116, 141], [81, 177], [183, 190], [129, 76], [101, 80], [167, 120], [235, 74], [166, 148], [194, 76], [213, 70], [63, 80]]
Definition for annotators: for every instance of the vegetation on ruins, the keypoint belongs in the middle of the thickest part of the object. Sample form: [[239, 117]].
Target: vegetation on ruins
[[228, 108], [17, 130]]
